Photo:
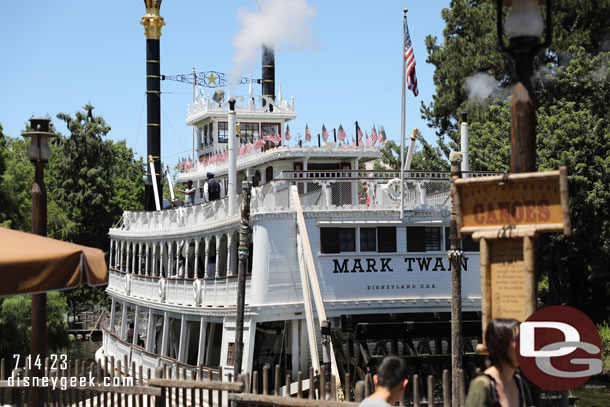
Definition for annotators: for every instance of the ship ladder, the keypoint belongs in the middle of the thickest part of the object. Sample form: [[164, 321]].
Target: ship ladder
[[309, 280]]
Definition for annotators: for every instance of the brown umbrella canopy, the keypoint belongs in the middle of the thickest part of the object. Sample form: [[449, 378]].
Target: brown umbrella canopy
[[30, 264]]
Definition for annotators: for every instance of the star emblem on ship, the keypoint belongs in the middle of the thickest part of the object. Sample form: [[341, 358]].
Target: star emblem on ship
[[211, 79]]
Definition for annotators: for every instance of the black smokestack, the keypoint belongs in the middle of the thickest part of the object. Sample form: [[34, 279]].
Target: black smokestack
[[152, 23], [268, 73]]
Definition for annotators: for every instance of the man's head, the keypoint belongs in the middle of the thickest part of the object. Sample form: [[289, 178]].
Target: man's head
[[392, 374], [210, 175], [189, 184]]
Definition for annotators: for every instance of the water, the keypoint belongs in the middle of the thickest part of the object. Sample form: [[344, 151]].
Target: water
[[82, 350], [593, 394]]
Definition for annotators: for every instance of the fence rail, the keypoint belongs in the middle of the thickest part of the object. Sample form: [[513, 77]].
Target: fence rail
[[112, 383]]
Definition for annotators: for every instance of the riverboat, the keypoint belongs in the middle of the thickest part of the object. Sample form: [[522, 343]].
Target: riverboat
[[375, 245]]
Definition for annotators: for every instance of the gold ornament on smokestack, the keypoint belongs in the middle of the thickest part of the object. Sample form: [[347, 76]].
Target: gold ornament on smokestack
[[152, 20]]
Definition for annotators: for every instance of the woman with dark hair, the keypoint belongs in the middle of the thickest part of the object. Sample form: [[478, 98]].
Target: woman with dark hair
[[500, 384]]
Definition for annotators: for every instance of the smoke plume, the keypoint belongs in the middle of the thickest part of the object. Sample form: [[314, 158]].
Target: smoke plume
[[480, 86], [278, 23]]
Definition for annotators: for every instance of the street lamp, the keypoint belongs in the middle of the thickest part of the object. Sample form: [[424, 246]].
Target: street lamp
[[39, 154], [523, 27]]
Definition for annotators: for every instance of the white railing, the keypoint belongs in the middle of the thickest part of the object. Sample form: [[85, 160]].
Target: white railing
[[318, 190], [187, 217], [184, 292], [119, 349]]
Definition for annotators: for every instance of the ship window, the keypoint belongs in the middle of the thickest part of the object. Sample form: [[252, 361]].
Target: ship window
[[223, 132], [469, 245], [249, 132], [231, 354], [423, 239], [347, 239], [337, 240], [329, 238], [368, 239], [386, 237], [269, 129]]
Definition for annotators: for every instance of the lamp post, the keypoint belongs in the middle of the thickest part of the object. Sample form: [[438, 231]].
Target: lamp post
[[39, 154], [523, 27]]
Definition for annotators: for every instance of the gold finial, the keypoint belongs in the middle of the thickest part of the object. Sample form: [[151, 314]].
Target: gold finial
[[414, 133], [405, 10], [152, 20]]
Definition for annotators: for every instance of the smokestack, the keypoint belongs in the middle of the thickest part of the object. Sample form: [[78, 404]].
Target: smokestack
[[464, 141], [268, 73], [233, 143], [152, 22]]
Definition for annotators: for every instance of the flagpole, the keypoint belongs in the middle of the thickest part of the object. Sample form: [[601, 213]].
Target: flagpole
[[402, 125], [194, 90]]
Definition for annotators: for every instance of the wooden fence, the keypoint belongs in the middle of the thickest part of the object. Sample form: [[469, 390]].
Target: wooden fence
[[111, 384]]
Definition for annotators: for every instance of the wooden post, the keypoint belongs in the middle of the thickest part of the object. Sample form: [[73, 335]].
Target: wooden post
[[430, 391], [415, 390], [244, 253], [446, 390], [455, 258]]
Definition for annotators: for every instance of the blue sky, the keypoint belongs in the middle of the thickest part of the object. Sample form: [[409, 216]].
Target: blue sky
[[58, 56]]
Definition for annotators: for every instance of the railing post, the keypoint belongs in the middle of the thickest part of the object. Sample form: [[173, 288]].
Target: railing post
[[446, 389]]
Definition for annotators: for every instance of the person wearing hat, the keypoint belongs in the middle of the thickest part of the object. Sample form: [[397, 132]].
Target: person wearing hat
[[211, 189]]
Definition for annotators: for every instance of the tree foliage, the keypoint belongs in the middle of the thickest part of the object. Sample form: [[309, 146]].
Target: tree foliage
[[91, 180], [572, 85], [15, 324]]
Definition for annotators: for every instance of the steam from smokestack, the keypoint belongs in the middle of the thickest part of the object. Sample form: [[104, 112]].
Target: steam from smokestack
[[480, 86], [278, 23]]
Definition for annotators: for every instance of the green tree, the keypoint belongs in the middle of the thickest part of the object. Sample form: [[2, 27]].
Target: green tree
[[425, 158], [15, 185], [572, 82], [91, 181], [15, 319]]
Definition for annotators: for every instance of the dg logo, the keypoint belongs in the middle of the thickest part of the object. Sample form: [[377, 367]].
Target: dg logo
[[559, 348]]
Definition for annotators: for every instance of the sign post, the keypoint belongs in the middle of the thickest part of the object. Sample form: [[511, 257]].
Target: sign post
[[505, 213]]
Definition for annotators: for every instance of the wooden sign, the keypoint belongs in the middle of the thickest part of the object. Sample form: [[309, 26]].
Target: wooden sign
[[508, 281], [536, 200], [505, 213]]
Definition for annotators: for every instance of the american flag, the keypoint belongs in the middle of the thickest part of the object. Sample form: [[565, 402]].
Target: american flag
[[369, 142], [287, 133], [374, 135], [325, 134], [259, 143], [242, 149], [249, 147], [382, 135], [270, 138], [277, 139], [360, 135], [307, 133], [410, 61], [341, 133]]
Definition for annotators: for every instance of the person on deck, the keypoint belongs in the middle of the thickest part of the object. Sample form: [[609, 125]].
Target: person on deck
[[211, 189], [500, 384], [189, 194], [390, 382]]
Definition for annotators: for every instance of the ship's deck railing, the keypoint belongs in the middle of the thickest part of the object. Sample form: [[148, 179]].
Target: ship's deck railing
[[318, 190], [184, 292], [118, 349], [357, 189], [211, 214]]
